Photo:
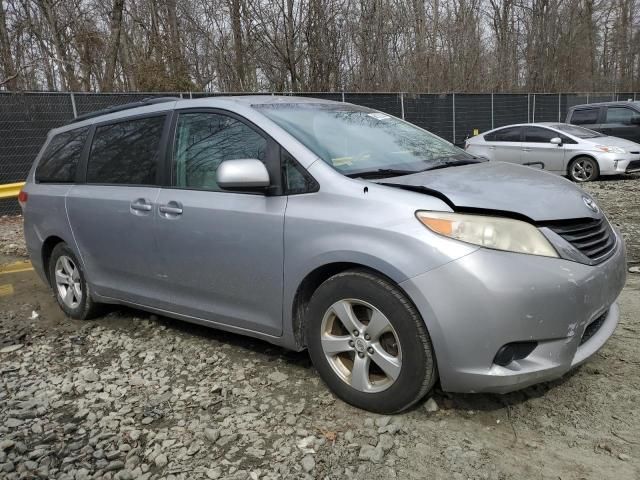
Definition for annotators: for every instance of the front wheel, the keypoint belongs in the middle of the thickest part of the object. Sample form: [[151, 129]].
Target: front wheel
[[369, 343], [583, 169]]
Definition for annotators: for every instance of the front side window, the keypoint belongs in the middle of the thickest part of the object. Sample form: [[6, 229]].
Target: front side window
[[622, 115], [60, 159], [586, 116], [204, 140], [126, 152], [539, 135], [357, 140]]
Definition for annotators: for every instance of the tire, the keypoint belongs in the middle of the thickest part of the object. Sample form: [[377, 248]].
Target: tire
[[583, 169], [64, 268], [365, 301]]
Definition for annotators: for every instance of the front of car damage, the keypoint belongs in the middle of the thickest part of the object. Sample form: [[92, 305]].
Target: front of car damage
[[538, 298]]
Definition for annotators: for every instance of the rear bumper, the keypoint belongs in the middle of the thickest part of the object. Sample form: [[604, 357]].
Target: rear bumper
[[475, 305]]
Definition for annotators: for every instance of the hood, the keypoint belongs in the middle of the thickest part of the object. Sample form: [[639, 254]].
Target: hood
[[615, 142], [501, 187]]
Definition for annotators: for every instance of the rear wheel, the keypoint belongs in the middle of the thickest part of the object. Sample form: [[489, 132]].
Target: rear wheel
[[369, 343], [69, 284], [584, 169]]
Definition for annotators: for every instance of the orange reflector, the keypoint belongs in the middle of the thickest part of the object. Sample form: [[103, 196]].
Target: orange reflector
[[439, 225]]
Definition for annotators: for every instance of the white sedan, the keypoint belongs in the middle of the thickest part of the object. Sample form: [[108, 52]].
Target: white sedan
[[560, 148]]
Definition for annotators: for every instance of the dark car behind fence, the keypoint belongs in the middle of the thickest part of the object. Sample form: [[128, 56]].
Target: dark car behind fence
[[25, 118]]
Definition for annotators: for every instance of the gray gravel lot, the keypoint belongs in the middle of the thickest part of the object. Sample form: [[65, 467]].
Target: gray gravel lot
[[131, 395]]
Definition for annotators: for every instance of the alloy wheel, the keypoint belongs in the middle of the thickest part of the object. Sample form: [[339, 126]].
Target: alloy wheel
[[361, 345], [582, 170], [68, 282]]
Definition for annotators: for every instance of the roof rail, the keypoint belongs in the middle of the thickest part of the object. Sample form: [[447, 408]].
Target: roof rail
[[126, 106]]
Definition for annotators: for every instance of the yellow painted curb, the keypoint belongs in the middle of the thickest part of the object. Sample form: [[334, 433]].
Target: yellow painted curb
[[16, 267]]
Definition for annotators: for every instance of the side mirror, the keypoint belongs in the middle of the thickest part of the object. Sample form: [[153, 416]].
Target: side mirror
[[635, 120], [244, 174], [556, 141]]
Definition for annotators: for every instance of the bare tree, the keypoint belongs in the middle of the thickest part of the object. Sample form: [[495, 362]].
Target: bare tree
[[307, 45]]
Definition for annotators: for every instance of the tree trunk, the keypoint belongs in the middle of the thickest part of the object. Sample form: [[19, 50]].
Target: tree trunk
[[10, 75], [114, 46]]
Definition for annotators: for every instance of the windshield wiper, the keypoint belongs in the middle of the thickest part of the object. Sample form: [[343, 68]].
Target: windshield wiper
[[382, 173], [451, 163]]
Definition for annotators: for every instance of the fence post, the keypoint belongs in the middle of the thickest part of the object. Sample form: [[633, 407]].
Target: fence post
[[492, 111], [402, 104], [528, 107], [587, 97], [454, 118], [190, 96], [559, 103], [342, 96], [533, 118], [73, 105]]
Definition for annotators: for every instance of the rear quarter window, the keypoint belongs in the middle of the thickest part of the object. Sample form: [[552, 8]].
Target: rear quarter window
[[585, 116], [59, 161], [126, 152]]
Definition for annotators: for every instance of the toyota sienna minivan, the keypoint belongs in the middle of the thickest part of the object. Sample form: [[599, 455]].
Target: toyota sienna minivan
[[394, 257]]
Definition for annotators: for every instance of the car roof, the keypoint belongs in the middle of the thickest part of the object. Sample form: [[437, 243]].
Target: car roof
[[625, 103], [530, 124], [152, 105]]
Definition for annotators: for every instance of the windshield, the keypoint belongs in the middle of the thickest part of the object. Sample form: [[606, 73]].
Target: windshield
[[579, 132], [356, 140]]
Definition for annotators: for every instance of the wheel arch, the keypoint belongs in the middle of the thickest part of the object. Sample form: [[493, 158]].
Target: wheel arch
[[47, 249], [581, 155], [314, 279]]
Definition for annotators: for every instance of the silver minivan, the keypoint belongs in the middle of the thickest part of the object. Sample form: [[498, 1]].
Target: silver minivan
[[394, 257]]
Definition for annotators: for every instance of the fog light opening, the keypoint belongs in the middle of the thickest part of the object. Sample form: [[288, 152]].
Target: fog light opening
[[513, 351]]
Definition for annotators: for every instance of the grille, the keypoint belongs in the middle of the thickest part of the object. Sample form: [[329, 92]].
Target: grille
[[593, 328], [633, 165], [594, 238]]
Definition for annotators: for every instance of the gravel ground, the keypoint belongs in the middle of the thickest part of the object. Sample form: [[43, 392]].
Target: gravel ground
[[131, 395]]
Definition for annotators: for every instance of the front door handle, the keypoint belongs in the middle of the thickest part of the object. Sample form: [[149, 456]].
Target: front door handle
[[170, 209], [526, 149], [141, 205]]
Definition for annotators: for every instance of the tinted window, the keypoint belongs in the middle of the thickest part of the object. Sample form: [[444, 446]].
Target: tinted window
[[126, 152], [60, 159], [539, 135], [204, 140], [510, 134], [296, 179], [585, 116], [621, 115]]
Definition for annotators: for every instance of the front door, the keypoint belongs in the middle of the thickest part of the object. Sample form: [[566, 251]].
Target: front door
[[622, 122], [222, 252], [112, 215], [539, 152]]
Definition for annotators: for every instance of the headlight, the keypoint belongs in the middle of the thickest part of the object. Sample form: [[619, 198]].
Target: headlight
[[490, 232], [610, 149]]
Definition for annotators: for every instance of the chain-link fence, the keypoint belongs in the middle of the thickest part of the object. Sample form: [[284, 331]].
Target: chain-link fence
[[25, 118]]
